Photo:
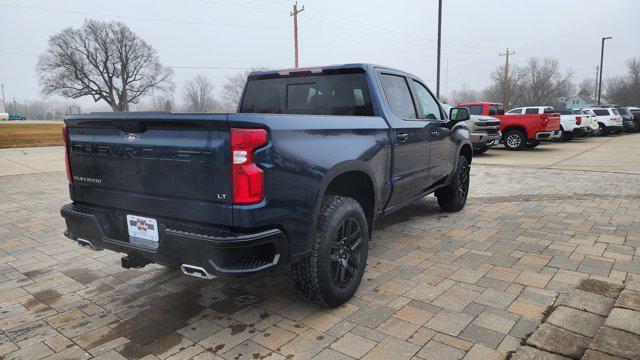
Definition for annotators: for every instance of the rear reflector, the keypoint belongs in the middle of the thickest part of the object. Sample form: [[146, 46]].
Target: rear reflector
[[65, 140], [247, 177]]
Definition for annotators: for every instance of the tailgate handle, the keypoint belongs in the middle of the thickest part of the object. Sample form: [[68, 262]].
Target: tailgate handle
[[130, 126]]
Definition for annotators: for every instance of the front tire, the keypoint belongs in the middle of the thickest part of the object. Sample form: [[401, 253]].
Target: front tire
[[331, 274], [515, 140], [454, 196]]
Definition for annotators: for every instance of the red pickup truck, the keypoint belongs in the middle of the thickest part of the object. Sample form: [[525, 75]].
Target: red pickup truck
[[519, 131]]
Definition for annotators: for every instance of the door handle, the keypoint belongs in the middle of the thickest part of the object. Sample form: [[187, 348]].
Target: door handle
[[435, 133], [402, 137]]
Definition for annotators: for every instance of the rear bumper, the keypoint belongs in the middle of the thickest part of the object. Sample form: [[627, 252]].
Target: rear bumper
[[548, 135], [218, 251], [483, 139]]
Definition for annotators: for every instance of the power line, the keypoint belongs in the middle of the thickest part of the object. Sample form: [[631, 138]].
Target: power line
[[189, 22], [208, 68], [17, 53], [350, 20]]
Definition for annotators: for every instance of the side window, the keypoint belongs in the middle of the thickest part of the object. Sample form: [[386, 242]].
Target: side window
[[398, 95], [475, 109], [430, 107], [531, 111], [515, 111], [495, 110]]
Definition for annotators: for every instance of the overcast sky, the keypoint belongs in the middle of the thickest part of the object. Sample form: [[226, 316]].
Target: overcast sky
[[402, 33]]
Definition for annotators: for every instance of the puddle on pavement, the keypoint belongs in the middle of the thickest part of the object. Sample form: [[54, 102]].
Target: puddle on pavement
[[48, 296], [82, 275], [153, 331]]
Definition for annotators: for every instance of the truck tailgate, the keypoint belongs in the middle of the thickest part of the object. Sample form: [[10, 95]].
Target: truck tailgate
[[174, 166]]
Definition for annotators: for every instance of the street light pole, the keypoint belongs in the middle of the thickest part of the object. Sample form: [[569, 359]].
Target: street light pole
[[439, 43], [601, 60]]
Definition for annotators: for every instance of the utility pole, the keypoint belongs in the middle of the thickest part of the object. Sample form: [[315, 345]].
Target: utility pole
[[295, 13], [505, 90], [4, 104], [439, 43], [14, 105], [595, 88], [601, 59]]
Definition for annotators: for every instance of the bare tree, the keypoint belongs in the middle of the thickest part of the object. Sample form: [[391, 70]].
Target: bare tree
[[545, 82], [198, 94], [517, 85], [587, 87], [162, 101], [104, 60], [234, 86], [464, 95]]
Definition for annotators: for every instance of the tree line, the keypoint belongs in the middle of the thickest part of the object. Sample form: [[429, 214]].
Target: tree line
[[540, 81], [109, 63]]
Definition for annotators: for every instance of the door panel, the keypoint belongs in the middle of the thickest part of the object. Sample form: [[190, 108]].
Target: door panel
[[438, 128], [411, 140]]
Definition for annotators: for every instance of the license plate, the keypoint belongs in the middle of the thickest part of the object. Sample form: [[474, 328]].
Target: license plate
[[143, 230]]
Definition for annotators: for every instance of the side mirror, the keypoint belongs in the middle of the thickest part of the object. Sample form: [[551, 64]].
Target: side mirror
[[459, 114]]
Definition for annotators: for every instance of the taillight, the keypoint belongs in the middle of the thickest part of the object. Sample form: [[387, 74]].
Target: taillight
[[545, 120], [65, 140], [248, 178], [578, 120]]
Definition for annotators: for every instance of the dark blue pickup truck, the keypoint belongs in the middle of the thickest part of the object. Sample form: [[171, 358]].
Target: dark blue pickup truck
[[296, 178]]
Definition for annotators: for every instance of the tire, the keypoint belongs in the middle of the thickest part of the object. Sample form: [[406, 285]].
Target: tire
[[532, 143], [481, 150], [633, 128], [515, 139], [602, 130], [566, 136], [454, 196], [331, 274]]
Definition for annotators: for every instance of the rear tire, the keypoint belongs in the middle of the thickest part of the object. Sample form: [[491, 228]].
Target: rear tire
[[602, 130], [566, 136], [481, 150], [454, 196], [331, 274], [514, 139]]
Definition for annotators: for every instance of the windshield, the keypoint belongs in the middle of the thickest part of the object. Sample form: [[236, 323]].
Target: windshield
[[334, 94], [475, 109]]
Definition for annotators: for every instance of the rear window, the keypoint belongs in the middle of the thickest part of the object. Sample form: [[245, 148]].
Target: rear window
[[615, 111], [496, 110], [624, 111], [531, 111], [564, 112], [601, 112], [335, 94], [475, 109]]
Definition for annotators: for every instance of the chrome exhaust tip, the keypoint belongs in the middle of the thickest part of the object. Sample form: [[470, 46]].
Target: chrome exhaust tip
[[196, 271], [86, 244]]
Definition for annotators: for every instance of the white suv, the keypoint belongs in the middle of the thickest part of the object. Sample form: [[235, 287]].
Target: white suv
[[609, 120]]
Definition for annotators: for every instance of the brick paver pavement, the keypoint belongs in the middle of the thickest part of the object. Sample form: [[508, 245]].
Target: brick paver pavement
[[438, 285]]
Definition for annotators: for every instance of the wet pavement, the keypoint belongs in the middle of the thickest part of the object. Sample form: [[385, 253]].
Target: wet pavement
[[438, 285]]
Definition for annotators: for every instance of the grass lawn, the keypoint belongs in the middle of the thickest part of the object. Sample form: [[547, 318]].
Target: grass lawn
[[30, 135]]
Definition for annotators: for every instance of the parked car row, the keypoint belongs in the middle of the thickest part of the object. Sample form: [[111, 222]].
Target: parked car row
[[525, 127]]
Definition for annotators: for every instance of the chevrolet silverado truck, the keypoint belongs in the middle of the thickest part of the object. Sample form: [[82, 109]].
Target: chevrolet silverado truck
[[519, 131], [571, 123], [297, 178], [484, 131]]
